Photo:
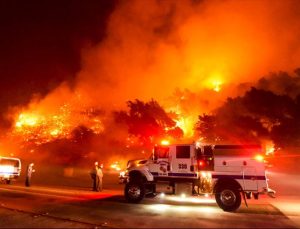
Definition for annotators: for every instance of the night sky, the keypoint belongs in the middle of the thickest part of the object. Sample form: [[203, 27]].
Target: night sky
[[41, 43]]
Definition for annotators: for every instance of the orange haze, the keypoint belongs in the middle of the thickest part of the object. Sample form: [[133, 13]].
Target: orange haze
[[154, 47], [188, 55]]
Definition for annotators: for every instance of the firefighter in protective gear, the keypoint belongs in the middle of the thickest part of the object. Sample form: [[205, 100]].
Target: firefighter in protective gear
[[30, 170], [93, 174], [100, 176]]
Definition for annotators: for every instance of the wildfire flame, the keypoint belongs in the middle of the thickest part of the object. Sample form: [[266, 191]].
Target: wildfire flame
[[42, 128], [26, 120], [214, 83], [217, 86], [164, 48], [115, 166], [187, 125], [270, 149]]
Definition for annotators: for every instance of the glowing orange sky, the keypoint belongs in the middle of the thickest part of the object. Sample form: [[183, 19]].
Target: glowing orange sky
[[153, 48]]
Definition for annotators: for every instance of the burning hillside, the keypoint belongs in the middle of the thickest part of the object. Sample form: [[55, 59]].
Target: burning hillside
[[39, 129], [187, 58]]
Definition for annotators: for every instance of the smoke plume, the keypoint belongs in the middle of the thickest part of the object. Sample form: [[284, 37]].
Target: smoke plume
[[188, 55], [154, 47]]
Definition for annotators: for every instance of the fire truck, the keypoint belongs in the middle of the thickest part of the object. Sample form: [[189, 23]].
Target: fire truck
[[230, 172], [10, 169]]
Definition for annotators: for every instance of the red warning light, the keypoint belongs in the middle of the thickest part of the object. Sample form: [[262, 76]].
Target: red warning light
[[200, 163]]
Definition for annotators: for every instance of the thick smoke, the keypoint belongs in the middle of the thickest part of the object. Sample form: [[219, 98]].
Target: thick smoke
[[281, 83], [154, 47], [178, 52]]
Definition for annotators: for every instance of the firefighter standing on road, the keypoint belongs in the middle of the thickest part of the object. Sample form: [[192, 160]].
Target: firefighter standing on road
[[100, 176], [30, 170], [93, 173]]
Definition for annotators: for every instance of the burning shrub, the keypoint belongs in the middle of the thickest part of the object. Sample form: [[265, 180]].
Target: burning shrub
[[259, 114], [148, 121]]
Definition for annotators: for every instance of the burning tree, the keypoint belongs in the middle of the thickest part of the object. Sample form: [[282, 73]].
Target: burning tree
[[233, 128], [148, 121], [206, 128], [259, 114]]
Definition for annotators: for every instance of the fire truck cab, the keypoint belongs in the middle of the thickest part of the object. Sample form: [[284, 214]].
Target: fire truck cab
[[230, 172], [10, 169]]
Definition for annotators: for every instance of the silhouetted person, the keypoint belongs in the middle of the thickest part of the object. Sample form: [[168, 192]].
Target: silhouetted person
[[99, 178], [94, 176], [29, 171]]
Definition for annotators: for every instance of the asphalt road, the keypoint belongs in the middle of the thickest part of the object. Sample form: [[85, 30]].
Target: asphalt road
[[70, 205]]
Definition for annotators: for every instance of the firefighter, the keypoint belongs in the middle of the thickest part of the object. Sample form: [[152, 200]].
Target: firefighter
[[100, 176], [94, 176], [30, 170]]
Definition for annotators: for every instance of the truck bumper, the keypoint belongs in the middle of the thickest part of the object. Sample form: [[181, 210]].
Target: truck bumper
[[270, 192]]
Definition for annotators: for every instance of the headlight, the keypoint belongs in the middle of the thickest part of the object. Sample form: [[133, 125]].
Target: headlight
[[6, 169]]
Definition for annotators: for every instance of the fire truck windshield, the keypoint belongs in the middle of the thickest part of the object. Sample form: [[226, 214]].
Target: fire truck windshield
[[161, 152], [9, 162]]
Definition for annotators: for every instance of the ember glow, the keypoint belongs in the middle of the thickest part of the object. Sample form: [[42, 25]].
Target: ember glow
[[270, 149], [187, 125], [41, 128], [115, 166], [26, 120], [217, 85], [214, 82], [118, 164]]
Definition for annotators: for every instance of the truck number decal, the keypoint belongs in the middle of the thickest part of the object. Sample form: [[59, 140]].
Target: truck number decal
[[182, 166]]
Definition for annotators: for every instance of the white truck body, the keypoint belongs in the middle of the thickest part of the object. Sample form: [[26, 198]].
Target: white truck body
[[10, 169], [211, 169]]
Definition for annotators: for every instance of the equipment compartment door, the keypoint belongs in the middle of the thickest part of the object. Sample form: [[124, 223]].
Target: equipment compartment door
[[250, 180]]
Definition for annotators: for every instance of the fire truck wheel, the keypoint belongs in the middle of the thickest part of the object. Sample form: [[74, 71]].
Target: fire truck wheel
[[7, 181], [228, 198], [134, 192]]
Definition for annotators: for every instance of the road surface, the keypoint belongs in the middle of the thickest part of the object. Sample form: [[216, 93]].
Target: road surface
[[70, 206]]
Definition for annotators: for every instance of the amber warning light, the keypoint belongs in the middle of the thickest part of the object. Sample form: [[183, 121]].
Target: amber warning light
[[165, 142], [259, 157]]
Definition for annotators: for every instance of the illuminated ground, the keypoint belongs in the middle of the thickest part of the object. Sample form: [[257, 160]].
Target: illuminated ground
[[67, 205]]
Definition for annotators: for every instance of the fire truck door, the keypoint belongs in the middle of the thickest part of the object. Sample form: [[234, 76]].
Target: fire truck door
[[160, 163], [250, 180], [181, 161]]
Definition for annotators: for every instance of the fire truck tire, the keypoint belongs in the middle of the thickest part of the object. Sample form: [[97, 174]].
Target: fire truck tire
[[228, 198], [134, 192]]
